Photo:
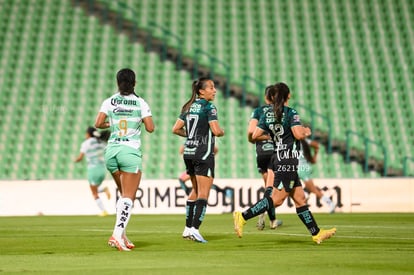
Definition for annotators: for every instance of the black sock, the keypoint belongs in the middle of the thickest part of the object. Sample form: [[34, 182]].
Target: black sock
[[268, 191], [307, 218], [189, 213], [272, 213], [184, 187], [260, 207], [199, 212]]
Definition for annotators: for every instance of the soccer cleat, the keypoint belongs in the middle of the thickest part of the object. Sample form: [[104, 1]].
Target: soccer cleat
[[229, 194], [323, 234], [108, 194], [239, 222], [196, 236], [127, 242], [118, 244], [261, 222], [332, 207], [187, 233], [275, 223], [103, 214]]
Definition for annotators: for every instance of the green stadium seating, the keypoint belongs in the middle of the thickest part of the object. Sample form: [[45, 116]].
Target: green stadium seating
[[337, 57]]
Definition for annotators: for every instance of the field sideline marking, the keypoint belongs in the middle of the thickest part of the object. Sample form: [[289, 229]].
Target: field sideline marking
[[268, 232]]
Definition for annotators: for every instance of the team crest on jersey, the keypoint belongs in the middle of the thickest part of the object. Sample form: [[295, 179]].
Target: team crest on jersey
[[296, 118]]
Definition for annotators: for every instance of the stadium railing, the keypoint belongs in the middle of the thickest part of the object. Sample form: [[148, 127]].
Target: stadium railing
[[366, 158], [166, 36], [226, 70], [405, 166], [260, 87], [313, 122]]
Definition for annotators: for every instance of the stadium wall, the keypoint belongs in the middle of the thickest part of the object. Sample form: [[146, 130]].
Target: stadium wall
[[73, 197]]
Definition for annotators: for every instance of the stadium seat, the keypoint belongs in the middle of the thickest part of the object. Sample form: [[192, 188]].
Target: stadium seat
[[337, 57]]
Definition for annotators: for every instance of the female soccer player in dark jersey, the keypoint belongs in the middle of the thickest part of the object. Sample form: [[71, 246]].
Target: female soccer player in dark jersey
[[285, 129], [199, 124], [264, 152]]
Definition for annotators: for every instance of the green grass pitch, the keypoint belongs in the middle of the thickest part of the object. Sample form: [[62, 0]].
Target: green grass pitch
[[364, 244]]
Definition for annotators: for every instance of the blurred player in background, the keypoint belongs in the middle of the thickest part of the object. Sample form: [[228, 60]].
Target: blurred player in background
[[264, 152], [284, 126], [126, 112], [199, 124], [93, 150], [306, 159]]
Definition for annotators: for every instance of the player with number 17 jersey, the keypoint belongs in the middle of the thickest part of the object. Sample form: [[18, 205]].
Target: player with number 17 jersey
[[200, 140]]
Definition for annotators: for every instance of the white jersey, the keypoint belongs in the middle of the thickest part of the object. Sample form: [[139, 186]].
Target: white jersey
[[93, 151], [125, 114]]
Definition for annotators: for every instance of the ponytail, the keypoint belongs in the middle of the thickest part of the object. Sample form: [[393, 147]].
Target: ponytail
[[280, 97], [269, 93], [196, 87], [99, 135], [105, 135], [187, 105], [278, 107]]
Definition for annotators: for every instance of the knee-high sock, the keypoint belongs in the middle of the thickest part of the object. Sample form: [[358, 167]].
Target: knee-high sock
[[199, 212], [272, 213], [123, 214], [326, 200], [189, 213], [184, 187], [260, 207], [307, 218], [100, 204]]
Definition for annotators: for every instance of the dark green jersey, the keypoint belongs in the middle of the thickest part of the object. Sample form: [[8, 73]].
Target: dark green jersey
[[286, 146], [262, 147], [200, 140]]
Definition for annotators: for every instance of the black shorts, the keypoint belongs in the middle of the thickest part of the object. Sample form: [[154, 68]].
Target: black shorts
[[262, 162], [200, 167], [286, 175]]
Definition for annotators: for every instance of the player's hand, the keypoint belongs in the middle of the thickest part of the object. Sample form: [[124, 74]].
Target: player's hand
[[308, 131]]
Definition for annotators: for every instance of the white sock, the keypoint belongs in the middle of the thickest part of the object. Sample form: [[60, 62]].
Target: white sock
[[123, 214], [100, 204], [101, 189], [326, 200]]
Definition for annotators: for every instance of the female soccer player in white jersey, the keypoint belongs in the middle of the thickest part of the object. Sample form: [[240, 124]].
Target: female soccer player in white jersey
[[124, 113], [306, 160], [93, 150]]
